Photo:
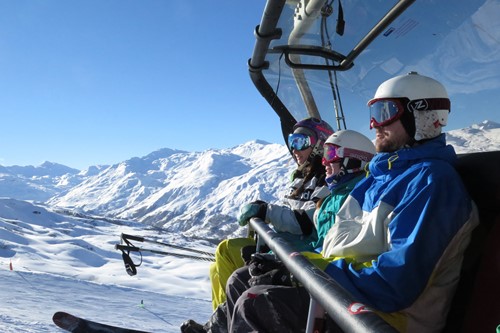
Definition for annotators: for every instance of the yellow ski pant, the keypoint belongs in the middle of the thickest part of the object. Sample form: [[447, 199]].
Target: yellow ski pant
[[227, 260]]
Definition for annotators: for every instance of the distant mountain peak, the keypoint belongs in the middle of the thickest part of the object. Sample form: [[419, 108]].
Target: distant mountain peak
[[484, 136], [47, 164], [57, 167], [252, 143], [261, 142], [162, 153], [487, 124]]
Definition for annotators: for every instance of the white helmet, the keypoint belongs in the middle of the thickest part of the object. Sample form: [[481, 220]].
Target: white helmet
[[425, 102], [355, 149]]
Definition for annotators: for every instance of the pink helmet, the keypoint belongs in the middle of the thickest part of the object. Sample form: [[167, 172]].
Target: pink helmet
[[317, 129]]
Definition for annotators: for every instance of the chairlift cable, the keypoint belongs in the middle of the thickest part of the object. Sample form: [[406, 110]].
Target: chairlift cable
[[126, 238], [173, 254]]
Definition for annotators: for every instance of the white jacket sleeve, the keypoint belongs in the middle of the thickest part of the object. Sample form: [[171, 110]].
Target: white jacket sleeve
[[284, 219]]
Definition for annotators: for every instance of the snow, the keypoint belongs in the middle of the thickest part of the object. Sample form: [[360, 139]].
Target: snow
[[30, 299], [67, 263], [478, 137], [58, 231]]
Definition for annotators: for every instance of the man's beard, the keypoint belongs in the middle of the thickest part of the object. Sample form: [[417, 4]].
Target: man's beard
[[389, 145]]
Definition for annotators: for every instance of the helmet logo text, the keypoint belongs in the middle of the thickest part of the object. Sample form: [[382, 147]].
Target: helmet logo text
[[418, 105]]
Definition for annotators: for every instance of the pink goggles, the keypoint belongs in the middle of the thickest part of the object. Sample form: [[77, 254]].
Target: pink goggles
[[330, 154], [333, 154]]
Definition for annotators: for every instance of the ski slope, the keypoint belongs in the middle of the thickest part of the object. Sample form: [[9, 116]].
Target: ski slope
[[52, 262], [30, 299]]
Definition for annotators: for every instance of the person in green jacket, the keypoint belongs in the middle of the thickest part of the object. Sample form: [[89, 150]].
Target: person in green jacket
[[346, 154]]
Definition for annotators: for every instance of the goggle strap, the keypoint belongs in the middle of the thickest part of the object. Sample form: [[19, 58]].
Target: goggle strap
[[429, 104], [354, 153]]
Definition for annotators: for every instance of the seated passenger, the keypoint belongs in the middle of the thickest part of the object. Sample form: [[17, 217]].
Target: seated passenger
[[307, 187], [398, 241], [346, 154]]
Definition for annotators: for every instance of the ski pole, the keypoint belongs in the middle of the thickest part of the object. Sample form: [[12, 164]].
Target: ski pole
[[126, 237], [173, 254]]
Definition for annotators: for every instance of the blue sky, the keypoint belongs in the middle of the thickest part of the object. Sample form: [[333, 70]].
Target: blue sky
[[100, 81], [87, 82]]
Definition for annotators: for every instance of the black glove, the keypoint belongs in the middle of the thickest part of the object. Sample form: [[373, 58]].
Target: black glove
[[261, 263], [246, 253], [277, 277]]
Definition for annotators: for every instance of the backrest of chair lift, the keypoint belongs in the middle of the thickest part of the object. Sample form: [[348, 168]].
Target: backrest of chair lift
[[476, 305]]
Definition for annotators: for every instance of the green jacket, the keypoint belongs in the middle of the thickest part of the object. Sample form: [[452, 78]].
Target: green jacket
[[324, 217]]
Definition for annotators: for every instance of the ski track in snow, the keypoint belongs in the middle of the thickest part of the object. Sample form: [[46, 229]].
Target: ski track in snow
[[29, 300]]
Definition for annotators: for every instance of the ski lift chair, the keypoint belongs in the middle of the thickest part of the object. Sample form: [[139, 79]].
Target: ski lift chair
[[476, 304]]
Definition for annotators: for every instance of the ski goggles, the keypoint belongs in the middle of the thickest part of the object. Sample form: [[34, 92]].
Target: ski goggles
[[385, 111], [333, 154], [330, 154], [300, 141]]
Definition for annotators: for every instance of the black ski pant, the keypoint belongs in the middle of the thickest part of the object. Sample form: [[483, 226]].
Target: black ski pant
[[264, 308], [221, 318]]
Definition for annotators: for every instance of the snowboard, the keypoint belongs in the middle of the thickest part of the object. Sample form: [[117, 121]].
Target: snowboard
[[76, 324]]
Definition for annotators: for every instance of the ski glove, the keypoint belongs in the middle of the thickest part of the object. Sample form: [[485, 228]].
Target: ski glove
[[277, 277], [253, 209], [248, 251], [266, 269], [261, 263]]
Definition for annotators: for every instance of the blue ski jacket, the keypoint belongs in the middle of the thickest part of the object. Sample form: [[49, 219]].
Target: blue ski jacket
[[398, 241]]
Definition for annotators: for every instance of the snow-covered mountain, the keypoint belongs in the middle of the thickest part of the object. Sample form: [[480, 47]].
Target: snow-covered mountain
[[42, 182], [196, 193], [476, 138]]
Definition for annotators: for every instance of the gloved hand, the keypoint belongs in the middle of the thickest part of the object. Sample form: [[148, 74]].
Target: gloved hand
[[253, 209], [278, 277], [247, 252], [261, 263]]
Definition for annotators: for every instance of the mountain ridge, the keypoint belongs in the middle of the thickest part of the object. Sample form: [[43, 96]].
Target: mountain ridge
[[194, 193]]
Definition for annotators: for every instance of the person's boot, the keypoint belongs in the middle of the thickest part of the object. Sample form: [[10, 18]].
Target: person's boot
[[190, 326], [218, 320]]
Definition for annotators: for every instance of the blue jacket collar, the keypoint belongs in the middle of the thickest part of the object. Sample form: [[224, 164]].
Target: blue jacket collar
[[433, 149]]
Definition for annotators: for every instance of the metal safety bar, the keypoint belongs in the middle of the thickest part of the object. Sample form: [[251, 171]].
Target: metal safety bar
[[336, 301]]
